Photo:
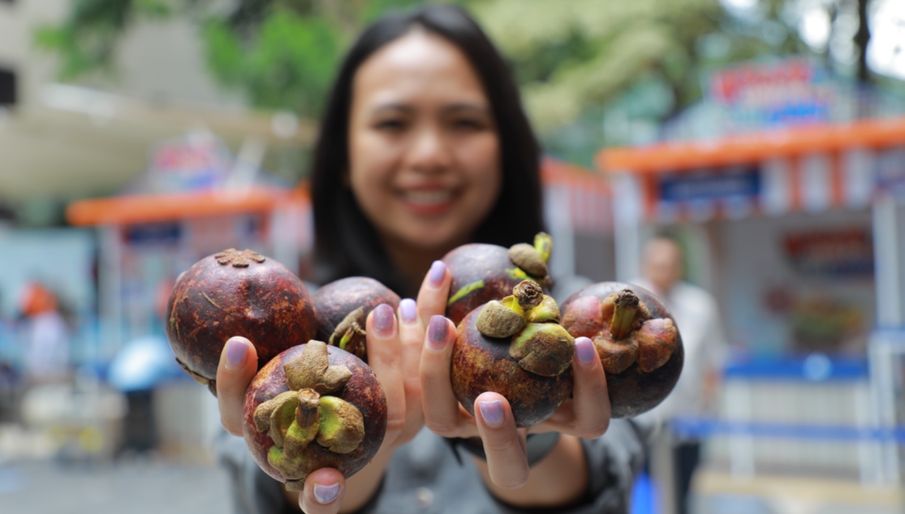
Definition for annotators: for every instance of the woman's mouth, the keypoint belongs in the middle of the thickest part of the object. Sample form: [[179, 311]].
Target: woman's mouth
[[428, 201]]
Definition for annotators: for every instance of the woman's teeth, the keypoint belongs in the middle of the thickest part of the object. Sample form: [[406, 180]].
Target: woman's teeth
[[428, 197]]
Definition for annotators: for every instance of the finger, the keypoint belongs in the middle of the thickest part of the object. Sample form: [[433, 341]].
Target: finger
[[238, 365], [441, 409], [385, 359], [411, 335], [433, 293], [504, 446], [590, 401], [323, 492]]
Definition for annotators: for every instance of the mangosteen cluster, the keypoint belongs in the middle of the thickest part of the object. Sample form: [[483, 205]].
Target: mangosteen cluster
[[310, 405], [512, 340]]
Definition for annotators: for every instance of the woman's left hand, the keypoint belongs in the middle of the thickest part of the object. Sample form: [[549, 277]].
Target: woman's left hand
[[586, 414]]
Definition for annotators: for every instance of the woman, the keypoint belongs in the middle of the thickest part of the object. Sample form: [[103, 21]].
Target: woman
[[424, 146]]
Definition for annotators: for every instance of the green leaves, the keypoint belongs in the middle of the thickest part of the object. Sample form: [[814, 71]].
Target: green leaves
[[288, 64]]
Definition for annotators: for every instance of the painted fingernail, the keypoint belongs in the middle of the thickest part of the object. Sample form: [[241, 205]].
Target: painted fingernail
[[585, 350], [491, 412], [407, 310], [436, 273], [235, 353], [383, 320], [326, 493], [437, 330]]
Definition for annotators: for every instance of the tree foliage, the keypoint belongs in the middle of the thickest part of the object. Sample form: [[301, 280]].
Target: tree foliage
[[578, 61]]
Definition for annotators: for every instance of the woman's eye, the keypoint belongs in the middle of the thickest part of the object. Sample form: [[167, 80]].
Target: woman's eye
[[469, 124], [391, 125]]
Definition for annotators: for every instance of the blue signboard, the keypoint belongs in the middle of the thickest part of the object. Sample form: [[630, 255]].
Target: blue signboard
[[712, 185]]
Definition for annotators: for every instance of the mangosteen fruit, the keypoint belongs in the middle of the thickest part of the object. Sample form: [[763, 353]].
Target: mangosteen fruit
[[482, 272], [236, 293], [313, 406], [636, 338], [515, 347], [342, 306]]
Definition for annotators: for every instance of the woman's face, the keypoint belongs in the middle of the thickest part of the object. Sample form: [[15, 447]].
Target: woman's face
[[424, 156]]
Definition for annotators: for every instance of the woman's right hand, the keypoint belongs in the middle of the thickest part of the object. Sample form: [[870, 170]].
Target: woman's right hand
[[394, 345]]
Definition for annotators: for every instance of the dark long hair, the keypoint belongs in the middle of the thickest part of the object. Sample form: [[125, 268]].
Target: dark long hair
[[346, 242]]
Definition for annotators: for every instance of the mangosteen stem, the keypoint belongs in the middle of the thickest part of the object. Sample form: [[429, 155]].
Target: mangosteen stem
[[543, 243], [625, 311], [528, 294]]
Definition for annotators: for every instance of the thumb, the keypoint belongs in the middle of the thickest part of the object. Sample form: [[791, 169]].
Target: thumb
[[238, 365]]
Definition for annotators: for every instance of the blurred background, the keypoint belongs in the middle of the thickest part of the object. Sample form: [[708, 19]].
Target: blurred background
[[767, 135]]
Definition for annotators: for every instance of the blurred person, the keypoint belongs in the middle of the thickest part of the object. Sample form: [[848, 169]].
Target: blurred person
[[136, 370], [696, 315], [424, 146], [9, 375], [45, 334]]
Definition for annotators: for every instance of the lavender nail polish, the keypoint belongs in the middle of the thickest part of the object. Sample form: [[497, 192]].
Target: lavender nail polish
[[383, 320], [584, 350], [408, 310], [491, 412], [326, 493], [235, 353], [437, 330], [436, 273]]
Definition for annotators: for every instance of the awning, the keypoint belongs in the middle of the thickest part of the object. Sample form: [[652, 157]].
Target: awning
[[811, 169]]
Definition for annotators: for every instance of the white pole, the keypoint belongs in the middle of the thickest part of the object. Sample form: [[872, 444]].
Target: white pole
[[627, 201]]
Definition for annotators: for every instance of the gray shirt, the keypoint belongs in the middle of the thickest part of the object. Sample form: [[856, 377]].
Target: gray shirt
[[425, 476]]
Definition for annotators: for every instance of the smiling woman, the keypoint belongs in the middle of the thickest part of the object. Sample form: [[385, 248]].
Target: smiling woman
[[424, 152], [424, 146]]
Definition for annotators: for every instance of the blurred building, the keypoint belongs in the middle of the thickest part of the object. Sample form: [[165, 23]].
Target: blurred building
[[91, 137]]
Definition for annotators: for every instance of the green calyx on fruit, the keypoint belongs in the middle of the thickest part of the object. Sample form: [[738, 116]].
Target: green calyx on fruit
[[341, 425], [543, 243], [295, 418], [501, 318], [532, 259], [540, 345], [543, 349], [635, 336], [312, 370], [348, 328]]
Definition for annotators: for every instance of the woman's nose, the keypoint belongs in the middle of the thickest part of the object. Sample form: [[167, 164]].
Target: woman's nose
[[429, 151]]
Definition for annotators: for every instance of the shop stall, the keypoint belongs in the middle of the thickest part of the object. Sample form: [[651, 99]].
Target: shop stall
[[195, 199], [803, 230]]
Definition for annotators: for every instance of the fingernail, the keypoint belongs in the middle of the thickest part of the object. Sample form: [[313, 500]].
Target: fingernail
[[436, 273], [326, 493], [235, 353], [383, 320], [492, 413], [436, 332], [585, 350], [407, 310]]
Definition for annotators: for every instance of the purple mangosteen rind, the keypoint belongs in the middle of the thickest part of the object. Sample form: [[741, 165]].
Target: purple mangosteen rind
[[481, 364], [362, 390], [336, 300], [236, 293], [632, 391], [482, 272]]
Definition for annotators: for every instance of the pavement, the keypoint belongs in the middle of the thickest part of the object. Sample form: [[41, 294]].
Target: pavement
[[133, 485]]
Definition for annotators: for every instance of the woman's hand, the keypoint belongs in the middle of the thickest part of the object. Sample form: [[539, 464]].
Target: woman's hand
[[394, 345], [586, 415]]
